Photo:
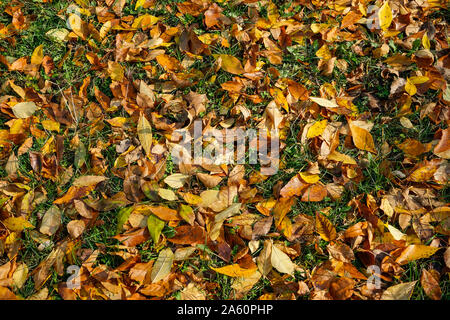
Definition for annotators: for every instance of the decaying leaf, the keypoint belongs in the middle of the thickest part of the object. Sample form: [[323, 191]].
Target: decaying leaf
[[402, 291], [161, 268]]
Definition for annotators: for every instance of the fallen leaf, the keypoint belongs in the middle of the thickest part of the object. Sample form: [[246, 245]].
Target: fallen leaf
[[176, 180], [144, 131], [155, 226], [314, 193], [17, 224], [414, 252], [189, 235], [325, 228], [86, 181], [281, 261], [430, 285], [362, 138], [23, 110], [402, 291], [235, 270], [385, 16], [230, 64], [162, 266], [51, 221], [76, 228]]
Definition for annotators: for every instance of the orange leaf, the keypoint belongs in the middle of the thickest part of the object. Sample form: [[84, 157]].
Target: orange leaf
[[293, 188], [165, 213], [234, 270], [189, 235], [315, 193], [325, 228], [362, 138]]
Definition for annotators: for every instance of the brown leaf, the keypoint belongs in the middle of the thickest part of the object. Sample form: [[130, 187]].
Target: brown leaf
[[132, 238], [294, 187], [262, 227], [76, 228], [447, 257], [189, 235], [430, 285], [442, 149], [212, 15], [341, 251]]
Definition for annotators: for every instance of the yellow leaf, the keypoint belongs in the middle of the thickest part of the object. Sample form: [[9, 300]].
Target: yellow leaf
[[234, 270], [115, 71], [20, 275], [386, 207], [60, 35], [78, 26], [105, 29], [280, 99], [139, 3], [317, 129], [19, 90], [144, 131], [83, 3], [145, 21], [49, 146], [167, 194], [17, 224], [425, 41], [402, 291], [117, 121], [423, 173], [324, 102], [88, 180], [410, 88], [162, 266], [281, 261], [309, 178], [192, 198], [272, 12], [418, 80], [397, 234], [230, 64], [385, 16], [38, 55], [50, 125], [318, 27], [325, 228], [324, 52], [340, 157], [414, 252], [155, 226]]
